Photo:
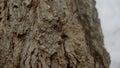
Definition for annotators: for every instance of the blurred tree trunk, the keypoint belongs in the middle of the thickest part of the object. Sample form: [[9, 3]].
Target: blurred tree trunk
[[51, 34]]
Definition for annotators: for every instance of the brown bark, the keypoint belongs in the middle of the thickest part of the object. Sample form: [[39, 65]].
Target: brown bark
[[51, 34]]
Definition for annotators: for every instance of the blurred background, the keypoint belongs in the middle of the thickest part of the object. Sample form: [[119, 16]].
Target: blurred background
[[109, 14]]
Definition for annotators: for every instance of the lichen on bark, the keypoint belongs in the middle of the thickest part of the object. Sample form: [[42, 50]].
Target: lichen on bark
[[51, 34]]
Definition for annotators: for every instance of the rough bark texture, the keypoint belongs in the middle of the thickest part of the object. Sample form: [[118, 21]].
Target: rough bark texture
[[51, 34]]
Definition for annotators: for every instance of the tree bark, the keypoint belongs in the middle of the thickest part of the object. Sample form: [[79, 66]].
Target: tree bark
[[51, 34]]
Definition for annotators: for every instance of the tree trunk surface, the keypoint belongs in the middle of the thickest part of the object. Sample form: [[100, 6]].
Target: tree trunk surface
[[51, 34]]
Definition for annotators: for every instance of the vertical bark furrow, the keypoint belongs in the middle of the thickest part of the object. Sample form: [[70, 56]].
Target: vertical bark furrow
[[92, 30]]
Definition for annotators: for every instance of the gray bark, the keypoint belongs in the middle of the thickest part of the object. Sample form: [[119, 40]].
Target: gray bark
[[51, 34]]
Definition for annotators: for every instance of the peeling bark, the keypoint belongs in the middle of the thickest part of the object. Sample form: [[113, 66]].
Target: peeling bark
[[51, 34]]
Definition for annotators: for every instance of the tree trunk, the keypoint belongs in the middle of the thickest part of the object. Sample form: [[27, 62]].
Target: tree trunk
[[51, 34]]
